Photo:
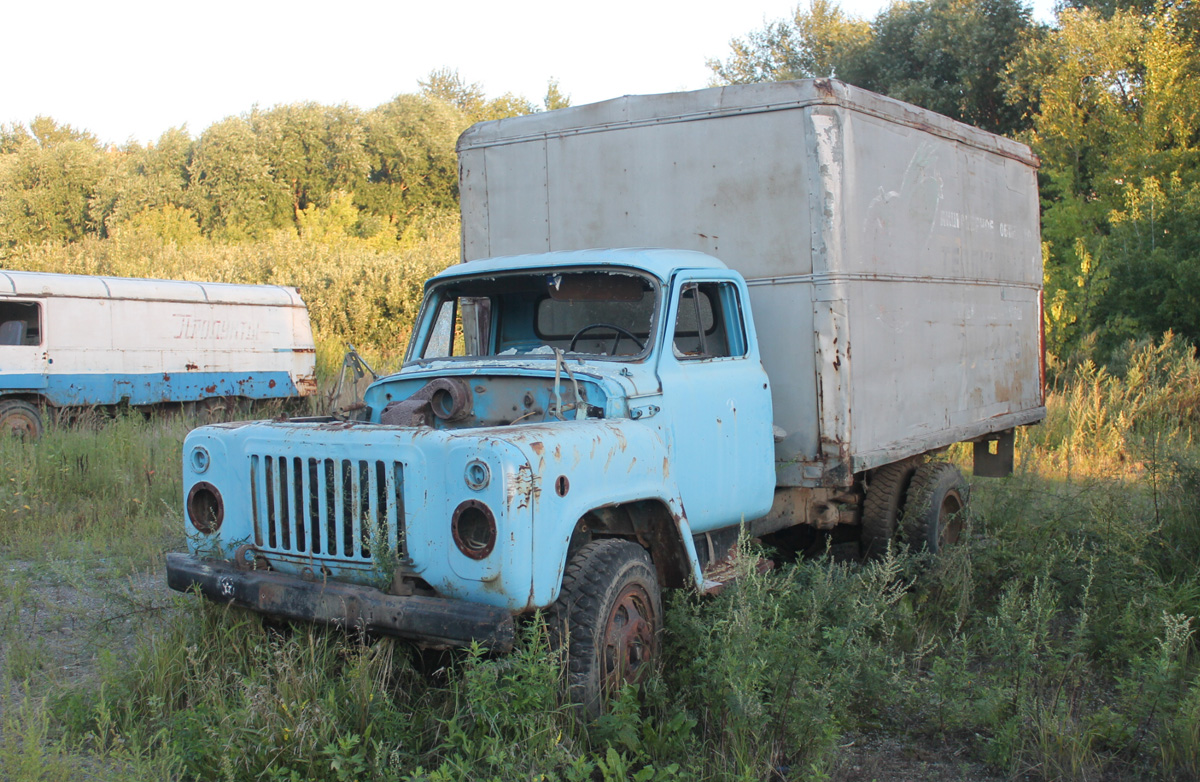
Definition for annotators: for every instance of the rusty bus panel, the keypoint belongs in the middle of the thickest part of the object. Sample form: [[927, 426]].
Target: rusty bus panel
[[74, 340]]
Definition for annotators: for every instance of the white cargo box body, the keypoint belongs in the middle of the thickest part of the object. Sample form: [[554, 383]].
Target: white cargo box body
[[893, 255], [72, 340]]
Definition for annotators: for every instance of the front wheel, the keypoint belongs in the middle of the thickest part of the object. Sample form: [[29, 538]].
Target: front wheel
[[607, 619]]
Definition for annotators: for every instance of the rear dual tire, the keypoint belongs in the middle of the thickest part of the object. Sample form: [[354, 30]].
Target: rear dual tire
[[935, 507], [883, 506], [923, 505]]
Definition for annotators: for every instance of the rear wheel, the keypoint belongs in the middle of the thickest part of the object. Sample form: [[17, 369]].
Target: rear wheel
[[883, 505], [607, 619], [20, 419], [936, 507]]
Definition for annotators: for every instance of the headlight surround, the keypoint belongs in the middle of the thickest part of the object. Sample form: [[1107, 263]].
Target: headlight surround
[[200, 459], [474, 529], [478, 475], [205, 507]]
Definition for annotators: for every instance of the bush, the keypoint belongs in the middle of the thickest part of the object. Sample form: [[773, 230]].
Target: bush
[[361, 291]]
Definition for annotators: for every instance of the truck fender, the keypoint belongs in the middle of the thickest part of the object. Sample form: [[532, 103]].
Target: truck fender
[[654, 525]]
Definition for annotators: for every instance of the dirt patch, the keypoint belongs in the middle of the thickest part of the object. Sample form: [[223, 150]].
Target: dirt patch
[[60, 617], [872, 758]]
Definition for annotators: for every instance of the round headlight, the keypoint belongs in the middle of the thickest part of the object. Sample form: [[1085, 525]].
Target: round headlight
[[478, 475], [200, 458], [474, 529], [205, 508]]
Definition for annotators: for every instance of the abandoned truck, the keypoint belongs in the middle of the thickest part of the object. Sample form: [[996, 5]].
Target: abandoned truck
[[575, 429], [70, 341]]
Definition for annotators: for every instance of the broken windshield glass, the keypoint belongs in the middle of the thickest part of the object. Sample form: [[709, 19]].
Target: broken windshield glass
[[607, 314]]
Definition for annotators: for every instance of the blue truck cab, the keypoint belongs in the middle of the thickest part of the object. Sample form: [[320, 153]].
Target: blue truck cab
[[570, 431]]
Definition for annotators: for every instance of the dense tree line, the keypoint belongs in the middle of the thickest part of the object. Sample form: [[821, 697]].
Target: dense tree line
[[1107, 99], [354, 207], [247, 177]]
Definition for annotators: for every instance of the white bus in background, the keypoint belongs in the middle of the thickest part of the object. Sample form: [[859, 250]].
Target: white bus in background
[[72, 341]]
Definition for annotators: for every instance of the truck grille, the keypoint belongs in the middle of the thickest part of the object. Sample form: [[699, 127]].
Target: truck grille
[[334, 508]]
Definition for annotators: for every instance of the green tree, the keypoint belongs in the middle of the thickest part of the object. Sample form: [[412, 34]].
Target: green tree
[[312, 150], [13, 137], [146, 177], [49, 182], [232, 186], [1117, 130], [334, 224], [158, 226], [412, 164], [555, 98], [1185, 12], [946, 55], [950, 56], [507, 105], [445, 84], [818, 41], [49, 133]]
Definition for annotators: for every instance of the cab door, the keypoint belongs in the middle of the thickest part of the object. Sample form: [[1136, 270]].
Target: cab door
[[23, 360], [717, 395]]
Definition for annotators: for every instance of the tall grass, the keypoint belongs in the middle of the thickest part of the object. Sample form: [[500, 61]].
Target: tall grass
[[1058, 641], [102, 487], [1119, 420]]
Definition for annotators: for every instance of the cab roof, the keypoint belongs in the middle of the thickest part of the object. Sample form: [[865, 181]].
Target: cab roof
[[660, 263]]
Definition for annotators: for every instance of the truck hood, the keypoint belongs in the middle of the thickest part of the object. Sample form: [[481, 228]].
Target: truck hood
[[632, 377]]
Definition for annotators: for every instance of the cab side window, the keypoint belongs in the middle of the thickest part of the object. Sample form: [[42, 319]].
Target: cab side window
[[20, 323], [709, 322]]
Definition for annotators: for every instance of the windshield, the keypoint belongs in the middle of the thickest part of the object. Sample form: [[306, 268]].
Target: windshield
[[606, 314]]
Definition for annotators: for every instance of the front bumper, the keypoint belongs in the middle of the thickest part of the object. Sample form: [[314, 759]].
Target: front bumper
[[430, 621]]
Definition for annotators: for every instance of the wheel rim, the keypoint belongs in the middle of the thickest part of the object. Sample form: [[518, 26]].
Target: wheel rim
[[19, 424], [950, 518], [629, 638]]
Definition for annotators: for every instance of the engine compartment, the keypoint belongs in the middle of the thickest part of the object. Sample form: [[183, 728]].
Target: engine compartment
[[467, 402]]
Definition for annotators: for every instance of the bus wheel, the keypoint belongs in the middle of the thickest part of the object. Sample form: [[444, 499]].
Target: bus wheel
[[20, 419]]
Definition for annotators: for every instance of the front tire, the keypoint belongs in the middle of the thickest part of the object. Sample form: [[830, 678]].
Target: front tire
[[607, 620]]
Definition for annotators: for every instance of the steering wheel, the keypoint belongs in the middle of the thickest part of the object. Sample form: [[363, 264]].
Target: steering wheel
[[620, 332]]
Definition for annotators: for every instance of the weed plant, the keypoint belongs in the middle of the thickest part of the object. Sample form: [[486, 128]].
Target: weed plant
[[101, 487]]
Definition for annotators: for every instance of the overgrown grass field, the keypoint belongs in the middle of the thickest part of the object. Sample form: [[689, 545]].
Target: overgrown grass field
[[1057, 642]]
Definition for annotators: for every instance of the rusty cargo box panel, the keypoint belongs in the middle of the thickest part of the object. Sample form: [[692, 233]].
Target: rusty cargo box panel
[[892, 254]]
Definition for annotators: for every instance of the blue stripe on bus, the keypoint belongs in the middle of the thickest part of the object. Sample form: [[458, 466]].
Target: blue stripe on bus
[[151, 388]]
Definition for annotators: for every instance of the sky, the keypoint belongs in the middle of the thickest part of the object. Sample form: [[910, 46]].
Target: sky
[[131, 69]]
